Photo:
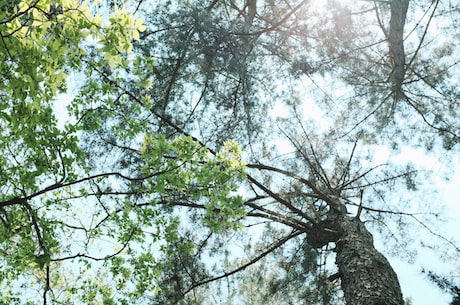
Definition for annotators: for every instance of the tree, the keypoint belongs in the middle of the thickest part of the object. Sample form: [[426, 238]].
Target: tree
[[165, 169], [42, 42], [445, 284]]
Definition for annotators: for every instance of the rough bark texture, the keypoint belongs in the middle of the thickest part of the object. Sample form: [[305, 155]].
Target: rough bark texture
[[366, 275]]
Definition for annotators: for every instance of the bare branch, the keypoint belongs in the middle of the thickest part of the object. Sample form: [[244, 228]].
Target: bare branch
[[103, 258], [308, 183], [278, 217], [273, 247], [422, 39], [55, 186], [346, 170], [280, 199]]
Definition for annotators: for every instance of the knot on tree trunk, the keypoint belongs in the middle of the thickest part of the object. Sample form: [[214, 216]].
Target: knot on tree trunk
[[322, 233]]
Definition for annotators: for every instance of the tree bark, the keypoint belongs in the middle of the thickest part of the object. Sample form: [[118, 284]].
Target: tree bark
[[367, 277], [396, 42]]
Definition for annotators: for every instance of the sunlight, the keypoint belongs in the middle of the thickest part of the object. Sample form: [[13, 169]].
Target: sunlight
[[319, 6]]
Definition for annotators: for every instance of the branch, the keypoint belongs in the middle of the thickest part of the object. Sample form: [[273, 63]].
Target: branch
[[22, 200], [379, 20], [367, 116], [274, 216], [47, 284], [315, 163], [424, 34], [366, 208], [274, 26], [162, 117], [411, 215], [19, 14], [431, 125], [279, 199], [308, 183], [344, 186], [436, 234], [34, 220], [211, 6], [346, 171], [274, 246], [82, 255], [360, 207]]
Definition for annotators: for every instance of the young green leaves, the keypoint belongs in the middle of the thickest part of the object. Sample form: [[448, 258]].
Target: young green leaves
[[185, 167]]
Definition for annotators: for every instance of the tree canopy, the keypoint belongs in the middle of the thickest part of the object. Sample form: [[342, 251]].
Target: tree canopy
[[222, 152]]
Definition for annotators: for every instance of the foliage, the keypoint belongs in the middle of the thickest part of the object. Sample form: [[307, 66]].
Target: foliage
[[445, 284], [42, 42], [44, 226], [41, 39]]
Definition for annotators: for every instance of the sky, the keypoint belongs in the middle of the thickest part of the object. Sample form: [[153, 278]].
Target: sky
[[414, 284]]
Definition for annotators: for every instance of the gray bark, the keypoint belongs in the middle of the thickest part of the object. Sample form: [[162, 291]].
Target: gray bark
[[367, 277]]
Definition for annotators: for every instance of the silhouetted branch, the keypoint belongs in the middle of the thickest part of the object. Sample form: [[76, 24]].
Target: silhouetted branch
[[254, 260]]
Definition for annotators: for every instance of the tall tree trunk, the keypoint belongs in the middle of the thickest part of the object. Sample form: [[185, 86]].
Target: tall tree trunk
[[367, 277]]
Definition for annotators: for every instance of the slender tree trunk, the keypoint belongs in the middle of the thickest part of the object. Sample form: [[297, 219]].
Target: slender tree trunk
[[396, 42], [366, 275]]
